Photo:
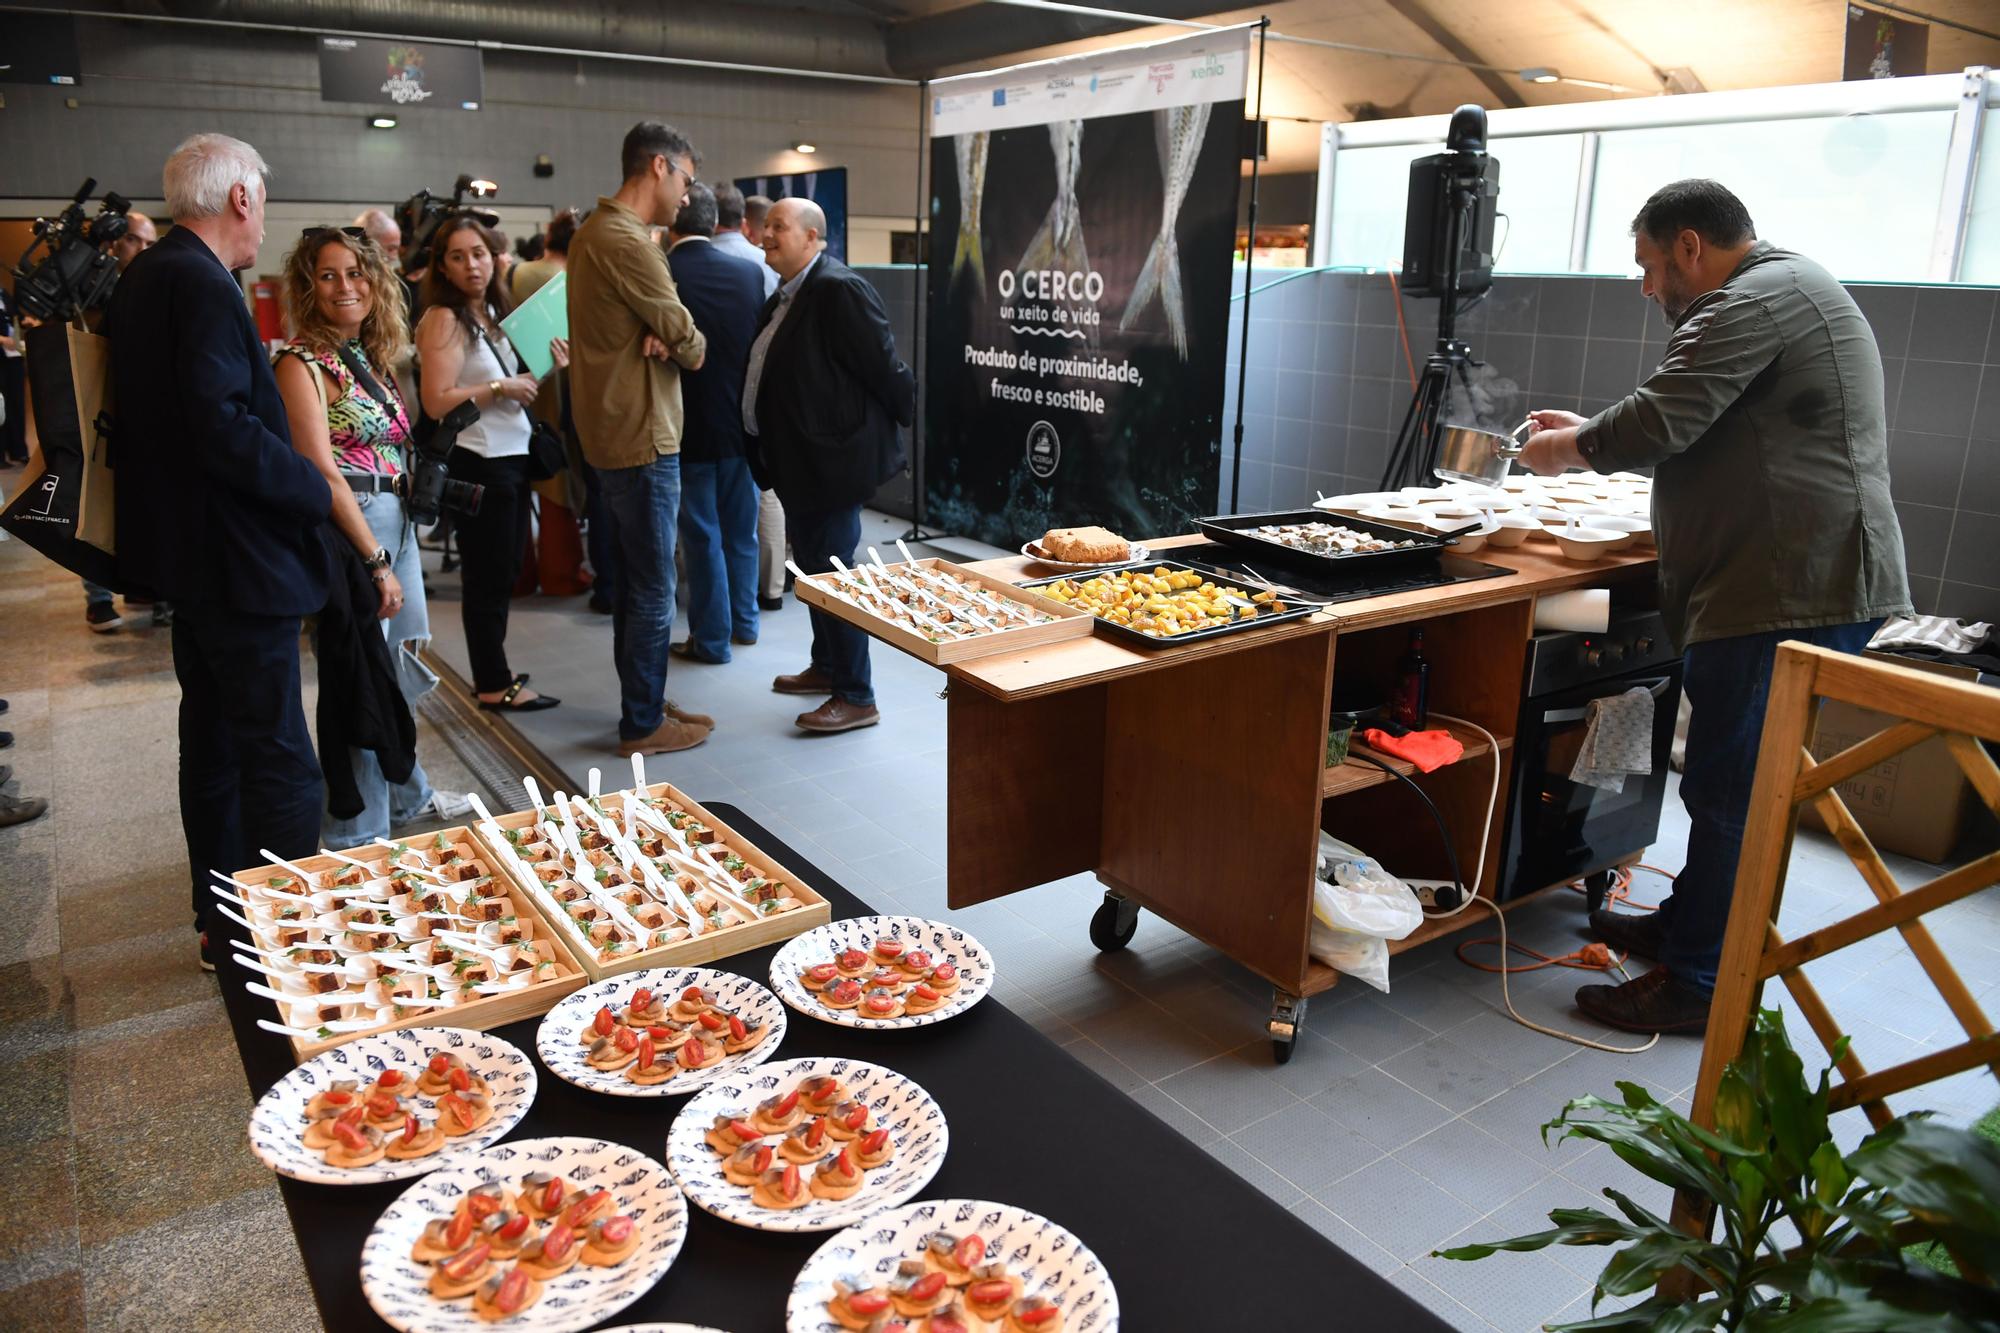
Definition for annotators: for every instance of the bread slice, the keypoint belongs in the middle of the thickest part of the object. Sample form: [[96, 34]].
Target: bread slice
[[1085, 546]]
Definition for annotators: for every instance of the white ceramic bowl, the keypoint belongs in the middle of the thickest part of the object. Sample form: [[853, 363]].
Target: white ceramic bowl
[[1354, 504], [1511, 529], [1521, 483], [1469, 540], [1455, 512], [1408, 515], [1640, 529], [1587, 544]]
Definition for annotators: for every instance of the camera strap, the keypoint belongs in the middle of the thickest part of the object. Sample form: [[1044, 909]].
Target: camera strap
[[366, 378]]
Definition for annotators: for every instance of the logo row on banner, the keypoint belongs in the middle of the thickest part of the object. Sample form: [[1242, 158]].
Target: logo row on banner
[[1183, 71]]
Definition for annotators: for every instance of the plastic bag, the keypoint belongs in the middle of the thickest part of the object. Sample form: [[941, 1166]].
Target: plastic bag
[[1357, 908]]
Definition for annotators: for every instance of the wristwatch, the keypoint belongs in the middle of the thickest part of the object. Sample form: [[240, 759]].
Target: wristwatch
[[379, 560]]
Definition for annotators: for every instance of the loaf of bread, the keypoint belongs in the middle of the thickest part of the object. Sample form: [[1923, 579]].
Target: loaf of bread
[[1085, 546]]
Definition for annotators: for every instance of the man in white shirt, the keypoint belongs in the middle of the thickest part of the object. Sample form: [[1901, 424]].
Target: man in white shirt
[[736, 234]]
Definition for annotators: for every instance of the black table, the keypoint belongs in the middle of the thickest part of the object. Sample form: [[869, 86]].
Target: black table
[[1188, 1242]]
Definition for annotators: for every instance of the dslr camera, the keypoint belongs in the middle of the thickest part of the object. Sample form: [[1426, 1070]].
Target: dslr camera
[[425, 486], [420, 214], [72, 273]]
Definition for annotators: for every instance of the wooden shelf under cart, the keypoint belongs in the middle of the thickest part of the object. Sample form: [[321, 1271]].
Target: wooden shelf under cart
[[481, 1015], [706, 947], [1075, 743]]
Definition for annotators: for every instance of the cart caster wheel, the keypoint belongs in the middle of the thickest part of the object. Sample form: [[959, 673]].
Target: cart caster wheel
[[1596, 887], [1114, 923], [1288, 1016]]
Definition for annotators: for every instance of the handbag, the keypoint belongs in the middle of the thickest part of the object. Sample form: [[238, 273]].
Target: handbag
[[547, 456]]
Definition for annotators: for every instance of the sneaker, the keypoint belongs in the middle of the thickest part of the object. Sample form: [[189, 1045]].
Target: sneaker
[[445, 805], [21, 809], [205, 958], [102, 617], [672, 735]]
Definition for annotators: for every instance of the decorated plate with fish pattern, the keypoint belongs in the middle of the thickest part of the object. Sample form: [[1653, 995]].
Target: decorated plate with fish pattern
[[279, 1117], [1051, 1263], [559, 1039], [398, 1286], [824, 944], [916, 1128]]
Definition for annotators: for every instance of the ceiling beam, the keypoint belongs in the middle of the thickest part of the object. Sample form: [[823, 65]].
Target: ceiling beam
[[1496, 83]]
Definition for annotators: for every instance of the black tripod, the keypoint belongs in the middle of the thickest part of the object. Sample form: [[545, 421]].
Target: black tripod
[[1414, 454]]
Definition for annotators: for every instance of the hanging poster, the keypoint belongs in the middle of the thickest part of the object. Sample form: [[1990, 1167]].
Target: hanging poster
[[826, 188], [1082, 217]]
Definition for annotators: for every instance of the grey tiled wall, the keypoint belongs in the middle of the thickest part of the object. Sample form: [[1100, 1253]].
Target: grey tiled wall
[[1328, 385]]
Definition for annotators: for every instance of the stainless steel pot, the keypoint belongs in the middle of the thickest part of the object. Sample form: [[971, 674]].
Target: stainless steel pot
[[1466, 453]]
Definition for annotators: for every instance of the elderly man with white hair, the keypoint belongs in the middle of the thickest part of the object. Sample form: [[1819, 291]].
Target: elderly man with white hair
[[219, 515]]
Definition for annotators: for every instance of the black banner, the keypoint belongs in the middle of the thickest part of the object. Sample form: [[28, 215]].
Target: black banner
[[1079, 274], [39, 48], [400, 73]]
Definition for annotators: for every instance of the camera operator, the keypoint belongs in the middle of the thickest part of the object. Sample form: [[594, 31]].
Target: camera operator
[[466, 358], [140, 236], [99, 613], [345, 309], [218, 513]]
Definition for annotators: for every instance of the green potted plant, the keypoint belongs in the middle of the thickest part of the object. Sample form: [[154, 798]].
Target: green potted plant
[[1839, 1267]]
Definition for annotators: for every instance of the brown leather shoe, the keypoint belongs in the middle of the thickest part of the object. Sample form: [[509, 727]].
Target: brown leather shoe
[[671, 736], [810, 681], [679, 714], [1655, 1002], [836, 714]]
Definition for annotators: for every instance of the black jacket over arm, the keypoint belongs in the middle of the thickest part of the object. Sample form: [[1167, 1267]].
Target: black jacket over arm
[[724, 293], [214, 506], [832, 394], [360, 704]]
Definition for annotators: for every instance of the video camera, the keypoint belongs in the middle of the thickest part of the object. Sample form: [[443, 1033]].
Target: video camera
[[420, 214], [73, 273]]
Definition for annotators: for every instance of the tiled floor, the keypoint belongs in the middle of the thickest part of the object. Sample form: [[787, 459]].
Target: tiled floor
[[1402, 1123]]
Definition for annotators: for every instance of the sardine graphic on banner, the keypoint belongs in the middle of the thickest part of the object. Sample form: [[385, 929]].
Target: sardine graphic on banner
[[970, 150], [1180, 132], [1058, 247]]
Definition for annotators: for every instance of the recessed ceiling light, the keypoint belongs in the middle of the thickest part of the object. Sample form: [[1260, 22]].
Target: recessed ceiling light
[[805, 148], [1541, 74], [382, 122]]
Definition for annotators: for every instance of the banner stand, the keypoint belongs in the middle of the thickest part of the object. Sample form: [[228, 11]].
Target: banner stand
[[1257, 142]]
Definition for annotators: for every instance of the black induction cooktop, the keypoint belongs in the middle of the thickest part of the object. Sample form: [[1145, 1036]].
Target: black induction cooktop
[[1362, 583]]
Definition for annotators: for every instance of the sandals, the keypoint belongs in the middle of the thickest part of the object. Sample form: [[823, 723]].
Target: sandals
[[505, 703]]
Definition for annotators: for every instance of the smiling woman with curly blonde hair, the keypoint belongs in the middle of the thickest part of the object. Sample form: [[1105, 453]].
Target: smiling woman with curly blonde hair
[[345, 307]]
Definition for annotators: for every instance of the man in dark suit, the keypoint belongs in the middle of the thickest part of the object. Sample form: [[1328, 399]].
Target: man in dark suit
[[823, 398], [217, 514], [718, 497]]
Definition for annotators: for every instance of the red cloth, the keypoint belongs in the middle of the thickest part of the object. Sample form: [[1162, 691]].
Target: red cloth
[[1428, 750]]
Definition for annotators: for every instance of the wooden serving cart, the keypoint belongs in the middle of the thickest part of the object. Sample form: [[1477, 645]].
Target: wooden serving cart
[[1074, 739]]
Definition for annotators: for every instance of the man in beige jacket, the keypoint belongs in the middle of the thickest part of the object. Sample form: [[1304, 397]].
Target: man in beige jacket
[[630, 337]]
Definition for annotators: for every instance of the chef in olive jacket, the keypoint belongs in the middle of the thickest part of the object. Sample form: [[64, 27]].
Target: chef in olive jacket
[[1764, 425]]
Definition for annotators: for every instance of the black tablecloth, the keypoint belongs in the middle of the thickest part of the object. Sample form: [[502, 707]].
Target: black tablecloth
[[1188, 1243]]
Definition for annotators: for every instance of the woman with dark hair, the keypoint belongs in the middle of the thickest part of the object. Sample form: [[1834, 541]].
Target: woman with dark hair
[[344, 306], [466, 358]]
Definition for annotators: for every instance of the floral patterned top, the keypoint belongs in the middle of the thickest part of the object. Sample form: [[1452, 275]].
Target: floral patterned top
[[366, 436]]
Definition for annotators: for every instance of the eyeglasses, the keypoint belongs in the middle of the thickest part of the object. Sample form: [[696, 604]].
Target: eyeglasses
[[358, 233], [673, 170]]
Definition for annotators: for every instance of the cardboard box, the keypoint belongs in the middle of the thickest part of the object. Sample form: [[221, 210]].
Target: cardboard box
[[1912, 803]]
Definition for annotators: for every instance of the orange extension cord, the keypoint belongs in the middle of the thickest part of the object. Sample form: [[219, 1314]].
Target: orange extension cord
[[1592, 957]]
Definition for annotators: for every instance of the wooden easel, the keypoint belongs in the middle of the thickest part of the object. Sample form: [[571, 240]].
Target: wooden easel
[[1788, 777]]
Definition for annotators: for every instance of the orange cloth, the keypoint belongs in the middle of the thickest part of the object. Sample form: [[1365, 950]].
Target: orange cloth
[[1428, 750]]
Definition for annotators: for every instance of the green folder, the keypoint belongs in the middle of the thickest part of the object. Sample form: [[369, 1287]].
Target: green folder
[[543, 316]]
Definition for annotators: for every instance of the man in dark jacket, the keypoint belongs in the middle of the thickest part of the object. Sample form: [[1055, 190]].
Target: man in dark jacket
[[219, 515], [718, 498], [1765, 426], [823, 398]]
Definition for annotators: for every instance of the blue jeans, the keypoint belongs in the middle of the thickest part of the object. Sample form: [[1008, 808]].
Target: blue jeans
[[386, 803], [643, 504], [1727, 682], [719, 537], [597, 539], [839, 649]]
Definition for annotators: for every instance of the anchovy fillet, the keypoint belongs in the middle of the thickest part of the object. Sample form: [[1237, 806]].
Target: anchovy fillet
[[1177, 133]]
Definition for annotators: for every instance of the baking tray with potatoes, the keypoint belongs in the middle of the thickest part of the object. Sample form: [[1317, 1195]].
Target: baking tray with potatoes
[[1161, 602]]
